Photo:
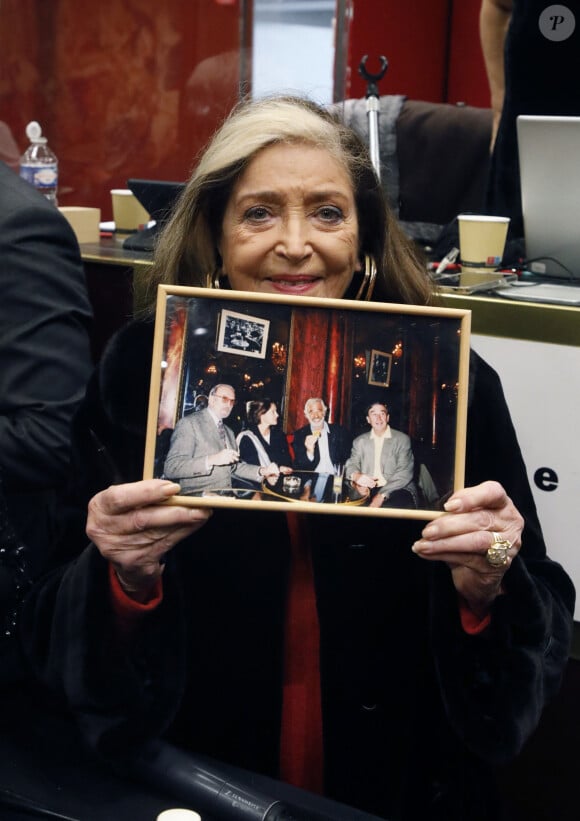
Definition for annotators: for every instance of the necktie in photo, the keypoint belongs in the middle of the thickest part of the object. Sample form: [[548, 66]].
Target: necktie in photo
[[222, 433]]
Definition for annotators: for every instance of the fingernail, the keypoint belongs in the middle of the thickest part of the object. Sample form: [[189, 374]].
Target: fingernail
[[194, 512], [417, 547], [170, 488], [452, 505]]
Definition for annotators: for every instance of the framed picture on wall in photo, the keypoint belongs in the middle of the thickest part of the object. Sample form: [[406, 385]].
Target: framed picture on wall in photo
[[380, 368], [242, 335], [264, 400]]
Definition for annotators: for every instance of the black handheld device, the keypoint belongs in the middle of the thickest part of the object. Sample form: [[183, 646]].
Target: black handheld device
[[205, 788]]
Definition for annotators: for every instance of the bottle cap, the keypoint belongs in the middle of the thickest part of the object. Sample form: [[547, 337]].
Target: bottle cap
[[34, 132], [178, 814]]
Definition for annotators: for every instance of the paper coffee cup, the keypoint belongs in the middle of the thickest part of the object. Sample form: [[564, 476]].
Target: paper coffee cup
[[128, 213], [84, 222], [481, 245]]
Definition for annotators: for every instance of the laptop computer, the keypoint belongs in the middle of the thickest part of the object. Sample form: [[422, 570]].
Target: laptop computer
[[551, 293], [158, 198], [549, 154]]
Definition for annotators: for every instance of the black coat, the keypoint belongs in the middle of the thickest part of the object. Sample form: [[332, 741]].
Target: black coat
[[45, 360], [276, 449], [339, 442], [416, 712], [45, 364]]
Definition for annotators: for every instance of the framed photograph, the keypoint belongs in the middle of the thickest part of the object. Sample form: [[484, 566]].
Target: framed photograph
[[286, 420], [380, 368], [242, 335]]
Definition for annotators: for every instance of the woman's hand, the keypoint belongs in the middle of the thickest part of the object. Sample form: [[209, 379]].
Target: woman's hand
[[133, 529], [475, 517]]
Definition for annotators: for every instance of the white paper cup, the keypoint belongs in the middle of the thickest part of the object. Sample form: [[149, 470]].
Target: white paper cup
[[481, 246], [128, 213]]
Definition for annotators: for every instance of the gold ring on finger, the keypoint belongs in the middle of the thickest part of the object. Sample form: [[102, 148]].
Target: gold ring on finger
[[497, 553]]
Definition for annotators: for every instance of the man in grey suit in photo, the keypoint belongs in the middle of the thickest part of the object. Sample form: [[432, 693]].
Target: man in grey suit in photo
[[203, 455], [383, 460]]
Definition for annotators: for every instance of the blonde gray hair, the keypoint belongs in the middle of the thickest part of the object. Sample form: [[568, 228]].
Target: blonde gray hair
[[187, 253]]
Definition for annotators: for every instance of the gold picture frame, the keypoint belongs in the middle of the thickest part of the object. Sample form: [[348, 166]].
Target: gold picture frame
[[309, 348]]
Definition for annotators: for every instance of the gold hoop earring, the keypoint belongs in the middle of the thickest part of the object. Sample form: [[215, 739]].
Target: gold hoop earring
[[367, 285], [214, 280]]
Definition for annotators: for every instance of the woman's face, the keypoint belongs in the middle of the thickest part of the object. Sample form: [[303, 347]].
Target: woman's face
[[270, 417], [291, 226]]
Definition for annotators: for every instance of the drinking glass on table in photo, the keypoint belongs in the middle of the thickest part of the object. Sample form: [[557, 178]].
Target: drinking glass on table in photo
[[337, 478]]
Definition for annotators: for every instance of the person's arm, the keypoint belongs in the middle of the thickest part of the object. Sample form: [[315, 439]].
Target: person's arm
[[402, 476], [495, 684], [497, 499], [45, 360], [353, 463], [183, 458], [353, 469], [128, 613], [303, 460], [494, 20], [121, 691], [134, 530]]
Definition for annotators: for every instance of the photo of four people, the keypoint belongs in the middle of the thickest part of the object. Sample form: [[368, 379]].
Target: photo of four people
[[347, 440]]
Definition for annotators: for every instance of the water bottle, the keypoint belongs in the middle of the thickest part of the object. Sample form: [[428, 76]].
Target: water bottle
[[39, 165]]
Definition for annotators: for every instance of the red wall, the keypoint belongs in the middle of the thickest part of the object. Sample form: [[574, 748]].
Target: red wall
[[121, 89], [467, 79], [432, 47], [134, 88]]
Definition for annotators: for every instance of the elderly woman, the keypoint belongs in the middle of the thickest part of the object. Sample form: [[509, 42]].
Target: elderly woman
[[415, 657]]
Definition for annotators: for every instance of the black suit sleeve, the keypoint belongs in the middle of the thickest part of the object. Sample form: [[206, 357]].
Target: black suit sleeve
[[340, 444], [44, 349], [301, 460]]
